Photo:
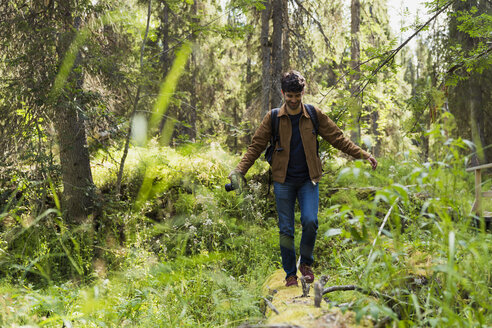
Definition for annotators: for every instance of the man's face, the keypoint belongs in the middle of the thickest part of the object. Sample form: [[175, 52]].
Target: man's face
[[293, 99]]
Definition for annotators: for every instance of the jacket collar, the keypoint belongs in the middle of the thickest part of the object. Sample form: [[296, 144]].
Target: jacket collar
[[283, 110]]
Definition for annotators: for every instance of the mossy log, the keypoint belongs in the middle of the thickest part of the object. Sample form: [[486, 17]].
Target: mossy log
[[296, 310]]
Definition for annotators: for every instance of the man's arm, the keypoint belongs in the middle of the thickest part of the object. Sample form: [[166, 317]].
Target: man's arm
[[329, 131], [258, 144]]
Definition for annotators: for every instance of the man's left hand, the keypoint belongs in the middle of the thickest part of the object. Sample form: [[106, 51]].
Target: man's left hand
[[373, 161]]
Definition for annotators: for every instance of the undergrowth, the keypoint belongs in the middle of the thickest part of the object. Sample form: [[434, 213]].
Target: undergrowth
[[176, 249]]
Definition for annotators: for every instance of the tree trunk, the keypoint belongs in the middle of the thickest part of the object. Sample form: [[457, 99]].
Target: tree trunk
[[265, 58], [78, 187], [375, 131], [285, 41], [468, 100], [193, 99], [354, 65], [165, 58], [476, 117], [278, 26]]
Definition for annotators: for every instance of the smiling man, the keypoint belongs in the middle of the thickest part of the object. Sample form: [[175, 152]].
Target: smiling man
[[297, 169]]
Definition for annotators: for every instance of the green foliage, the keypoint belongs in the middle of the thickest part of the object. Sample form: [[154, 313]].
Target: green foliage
[[176, 248], [202, 254], [422, 257]]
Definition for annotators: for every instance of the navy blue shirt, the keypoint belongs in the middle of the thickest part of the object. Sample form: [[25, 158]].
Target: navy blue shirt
[[297, 170]]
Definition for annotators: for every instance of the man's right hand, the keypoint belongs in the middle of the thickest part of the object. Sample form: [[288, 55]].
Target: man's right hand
[[237, 180]]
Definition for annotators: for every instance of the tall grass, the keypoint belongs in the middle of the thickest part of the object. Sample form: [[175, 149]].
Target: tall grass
[[431, 259]]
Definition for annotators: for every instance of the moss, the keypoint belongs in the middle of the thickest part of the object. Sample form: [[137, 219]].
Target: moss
[[296, 310]]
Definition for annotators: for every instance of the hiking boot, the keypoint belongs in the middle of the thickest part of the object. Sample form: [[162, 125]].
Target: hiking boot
[[307, 272], [291, 281]]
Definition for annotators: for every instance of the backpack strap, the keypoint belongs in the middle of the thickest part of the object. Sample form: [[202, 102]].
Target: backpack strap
[[314, 117], [274, 122]]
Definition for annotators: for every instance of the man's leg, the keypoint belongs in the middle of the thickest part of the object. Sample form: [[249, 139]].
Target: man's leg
[[285, 197], [308, 196]]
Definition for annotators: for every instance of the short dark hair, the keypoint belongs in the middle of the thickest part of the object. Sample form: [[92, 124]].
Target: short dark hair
[[293, 81]]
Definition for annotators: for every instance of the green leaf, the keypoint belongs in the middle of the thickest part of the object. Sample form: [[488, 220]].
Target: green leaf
[[333, 232]]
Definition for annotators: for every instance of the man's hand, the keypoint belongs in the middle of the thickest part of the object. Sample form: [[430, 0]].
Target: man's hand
[[373, 161], [237, 180]]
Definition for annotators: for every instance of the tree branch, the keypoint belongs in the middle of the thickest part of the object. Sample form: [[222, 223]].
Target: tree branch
[[457, 66], [393, 54], [320, 27], [450, 71], [348, 72], [270, 305]]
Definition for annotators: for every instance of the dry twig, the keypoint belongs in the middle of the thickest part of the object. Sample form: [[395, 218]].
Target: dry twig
[[270, 305]]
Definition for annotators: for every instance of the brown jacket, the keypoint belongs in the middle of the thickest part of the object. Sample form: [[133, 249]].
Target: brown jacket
[[328, 130]]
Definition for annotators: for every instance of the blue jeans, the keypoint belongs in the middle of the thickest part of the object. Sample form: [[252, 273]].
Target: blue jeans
[[285, 196]]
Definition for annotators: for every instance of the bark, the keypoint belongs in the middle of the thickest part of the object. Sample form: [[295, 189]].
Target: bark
[[166, 58], [425, 145], [78, 188], [285, 40], [193, 99], [193, 66], [265, 57], [476, 118], [270, 305], [277, 12], [375, 131], [355, 64], [469, 99], [305, 287], [249, 73], [165, 61], [318, 290]]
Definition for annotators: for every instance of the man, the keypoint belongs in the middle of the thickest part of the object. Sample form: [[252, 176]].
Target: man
[[296, 170]]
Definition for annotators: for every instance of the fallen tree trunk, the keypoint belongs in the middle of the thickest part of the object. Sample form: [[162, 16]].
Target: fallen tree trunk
[[360, 290]]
